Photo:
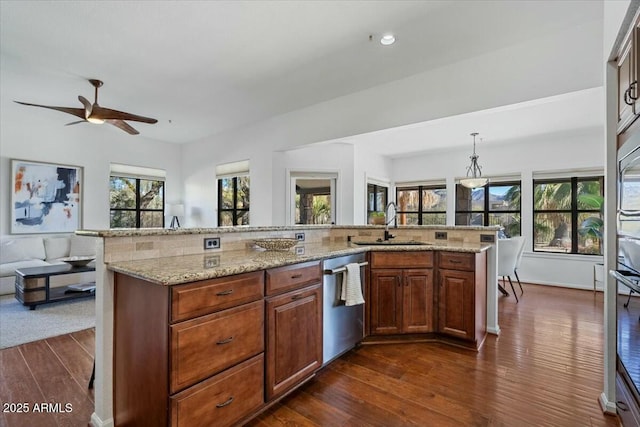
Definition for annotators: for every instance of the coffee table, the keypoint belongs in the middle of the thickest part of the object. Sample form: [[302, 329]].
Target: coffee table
[[33, 285]]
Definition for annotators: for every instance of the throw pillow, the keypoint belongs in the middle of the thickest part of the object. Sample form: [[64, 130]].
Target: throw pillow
[[10, 252], [57, 247], [33, 247], [82, 246]]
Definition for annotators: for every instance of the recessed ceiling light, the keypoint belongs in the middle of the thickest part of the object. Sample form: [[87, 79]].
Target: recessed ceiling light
[[388, 39]]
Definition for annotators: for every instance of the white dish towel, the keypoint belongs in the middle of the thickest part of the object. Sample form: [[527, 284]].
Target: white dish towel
[[351, 285]]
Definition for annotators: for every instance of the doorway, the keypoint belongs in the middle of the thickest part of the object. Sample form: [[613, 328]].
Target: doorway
[[313, 198]]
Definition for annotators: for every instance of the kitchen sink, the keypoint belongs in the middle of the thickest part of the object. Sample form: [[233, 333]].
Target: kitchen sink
[[381, 242]]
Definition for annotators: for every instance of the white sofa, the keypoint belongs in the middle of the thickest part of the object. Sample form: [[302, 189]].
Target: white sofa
[[37, 251]]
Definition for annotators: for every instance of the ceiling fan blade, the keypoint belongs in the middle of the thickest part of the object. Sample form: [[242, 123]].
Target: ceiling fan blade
[[122, 125], [75, 123], [107, 113], [87, 105], [78, 112]]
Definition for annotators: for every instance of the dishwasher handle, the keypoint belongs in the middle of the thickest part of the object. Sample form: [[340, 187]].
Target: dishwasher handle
[[343, 269]]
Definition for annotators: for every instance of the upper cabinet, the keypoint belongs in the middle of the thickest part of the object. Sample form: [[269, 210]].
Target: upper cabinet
[[628, 91]]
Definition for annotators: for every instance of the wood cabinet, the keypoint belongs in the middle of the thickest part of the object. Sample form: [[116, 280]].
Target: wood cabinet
[[628, 73], [401, 298], [462, 295], [293, 325], [626, 403], [189, 354]]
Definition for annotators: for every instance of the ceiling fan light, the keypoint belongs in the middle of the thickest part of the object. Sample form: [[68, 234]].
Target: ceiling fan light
[[95, 121]]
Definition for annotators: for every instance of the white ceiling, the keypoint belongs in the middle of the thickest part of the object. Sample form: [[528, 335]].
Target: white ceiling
[[204, 67], [575, 111]]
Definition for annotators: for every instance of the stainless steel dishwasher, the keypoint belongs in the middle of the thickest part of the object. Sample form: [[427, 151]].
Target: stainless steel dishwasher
[[343, 327]]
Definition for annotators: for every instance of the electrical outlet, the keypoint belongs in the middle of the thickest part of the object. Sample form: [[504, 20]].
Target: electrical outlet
[[299, 250], [487, 238], [441, 235], [211, 261], [212, 243], [300, 237]]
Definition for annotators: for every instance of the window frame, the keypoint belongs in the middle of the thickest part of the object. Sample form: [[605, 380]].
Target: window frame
[[420, 212], [138, 210], [376, 188], [234, 209], [486, 210], [573, 210]]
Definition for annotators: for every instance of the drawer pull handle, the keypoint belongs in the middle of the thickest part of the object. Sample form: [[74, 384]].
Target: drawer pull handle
[[298, 296], [223, 293], [296, 276], [225, 341], [455, 261], [223, 404]]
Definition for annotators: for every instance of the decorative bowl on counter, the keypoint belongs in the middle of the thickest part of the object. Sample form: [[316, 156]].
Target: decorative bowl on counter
[[78, 261], [276, 243]]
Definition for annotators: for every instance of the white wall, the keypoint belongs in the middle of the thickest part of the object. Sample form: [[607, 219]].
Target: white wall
[[46, 139], [368, 166], [541, 68], [546, 153], [332, 158]]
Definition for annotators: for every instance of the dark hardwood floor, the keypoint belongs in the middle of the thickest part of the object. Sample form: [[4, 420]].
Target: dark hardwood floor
[[51, 371], [545, 369]]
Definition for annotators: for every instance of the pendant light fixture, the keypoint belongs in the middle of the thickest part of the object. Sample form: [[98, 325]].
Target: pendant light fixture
[[474, 177]]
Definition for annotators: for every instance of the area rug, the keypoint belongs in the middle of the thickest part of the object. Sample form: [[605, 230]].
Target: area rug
[[19, 325]]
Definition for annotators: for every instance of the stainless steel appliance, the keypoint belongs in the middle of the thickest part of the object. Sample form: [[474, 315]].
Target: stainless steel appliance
[[343, 327], [628, 272]]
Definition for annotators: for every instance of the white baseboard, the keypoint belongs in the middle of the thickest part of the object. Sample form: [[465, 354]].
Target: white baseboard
[[607, 406], [494, 331], [97, 422]]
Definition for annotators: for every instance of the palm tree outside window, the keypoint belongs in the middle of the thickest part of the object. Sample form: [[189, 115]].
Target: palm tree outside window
[[567, 215]]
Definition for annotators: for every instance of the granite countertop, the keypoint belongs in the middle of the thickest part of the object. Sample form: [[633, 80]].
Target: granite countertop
[[127, 232], [190, 268]]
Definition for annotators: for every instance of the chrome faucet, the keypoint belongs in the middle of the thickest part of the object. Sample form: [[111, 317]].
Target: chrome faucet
[[387, 221]]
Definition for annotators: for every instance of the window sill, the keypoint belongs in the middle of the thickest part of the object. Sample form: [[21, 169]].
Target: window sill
[[564, 256]]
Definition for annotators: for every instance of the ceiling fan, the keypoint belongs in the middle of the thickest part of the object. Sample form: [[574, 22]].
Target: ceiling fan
[[94, 113]]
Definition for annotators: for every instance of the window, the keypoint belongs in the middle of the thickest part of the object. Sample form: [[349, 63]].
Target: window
[[377, 196], [494, 204], [136, 202], [233, 201], [422, 205], [567, 215]]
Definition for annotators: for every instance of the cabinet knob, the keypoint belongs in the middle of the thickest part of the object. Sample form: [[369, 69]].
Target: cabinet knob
[[296, 276], [223, 404]]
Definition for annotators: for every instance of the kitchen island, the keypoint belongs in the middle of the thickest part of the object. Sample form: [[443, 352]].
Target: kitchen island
[[162, 275]]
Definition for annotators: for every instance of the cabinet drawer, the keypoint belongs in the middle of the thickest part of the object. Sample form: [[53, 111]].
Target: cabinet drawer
[[417, 259], [223, 399], [207, 296], [204, 346], [282, 279], [457, 261]]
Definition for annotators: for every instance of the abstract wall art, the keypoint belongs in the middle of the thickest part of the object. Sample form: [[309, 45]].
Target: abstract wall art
[[45, 197]]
